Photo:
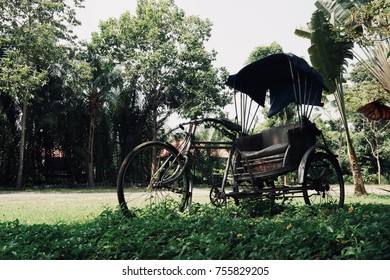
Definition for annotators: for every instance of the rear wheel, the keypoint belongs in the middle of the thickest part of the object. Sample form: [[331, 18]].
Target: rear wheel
[[323, 182], [153, 173]]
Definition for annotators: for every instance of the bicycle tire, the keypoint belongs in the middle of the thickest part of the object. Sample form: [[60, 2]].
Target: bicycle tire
[[144, 182], [323, 181]]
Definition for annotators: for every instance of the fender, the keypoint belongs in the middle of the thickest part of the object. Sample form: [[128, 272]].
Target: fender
[[308, 153]]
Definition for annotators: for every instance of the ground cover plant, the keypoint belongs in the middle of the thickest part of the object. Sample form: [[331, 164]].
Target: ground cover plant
[[357, 231]]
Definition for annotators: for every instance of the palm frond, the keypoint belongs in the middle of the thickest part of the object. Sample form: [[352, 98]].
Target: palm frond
[[377, 62]]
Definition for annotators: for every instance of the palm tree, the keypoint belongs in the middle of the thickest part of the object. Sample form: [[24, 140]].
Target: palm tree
[[96, 78], [328, 55]]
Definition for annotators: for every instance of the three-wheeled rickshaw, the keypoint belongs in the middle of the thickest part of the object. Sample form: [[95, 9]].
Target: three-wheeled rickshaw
[[255, 163]]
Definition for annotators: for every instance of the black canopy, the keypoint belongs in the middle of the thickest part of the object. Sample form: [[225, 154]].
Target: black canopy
[[287, 77]]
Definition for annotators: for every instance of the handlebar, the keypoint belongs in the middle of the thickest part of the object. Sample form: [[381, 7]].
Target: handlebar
[[224, 122]]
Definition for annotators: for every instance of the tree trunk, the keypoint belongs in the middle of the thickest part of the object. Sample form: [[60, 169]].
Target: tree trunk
[[154, 138], [355, 167], [19, 178], [154, 124], [374, 146], [91, 177], [375, 150], [91, 136], [378, 163]]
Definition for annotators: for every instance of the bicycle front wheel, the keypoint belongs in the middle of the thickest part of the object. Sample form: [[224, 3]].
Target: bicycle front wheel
[[153, 173], [323, 182]]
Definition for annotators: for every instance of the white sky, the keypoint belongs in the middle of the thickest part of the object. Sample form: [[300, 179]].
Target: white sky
[[238, 25]]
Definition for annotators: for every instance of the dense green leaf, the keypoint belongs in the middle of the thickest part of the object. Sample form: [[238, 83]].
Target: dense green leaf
[[205, 232]]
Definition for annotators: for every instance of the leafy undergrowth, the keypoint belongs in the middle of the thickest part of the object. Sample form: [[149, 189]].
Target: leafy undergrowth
[[358, 231]]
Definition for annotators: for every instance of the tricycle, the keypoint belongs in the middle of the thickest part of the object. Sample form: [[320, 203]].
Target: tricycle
[[255, 163]]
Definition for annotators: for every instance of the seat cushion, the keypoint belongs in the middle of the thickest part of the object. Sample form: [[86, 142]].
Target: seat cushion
[[269, 151], [276, 135]]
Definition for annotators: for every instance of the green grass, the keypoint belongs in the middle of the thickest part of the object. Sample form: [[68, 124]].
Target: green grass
[[75, 205], [51, 208], [62, 225]]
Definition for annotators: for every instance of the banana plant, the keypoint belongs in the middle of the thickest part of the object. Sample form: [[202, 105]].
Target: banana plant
[[328, 54], [367, 23]]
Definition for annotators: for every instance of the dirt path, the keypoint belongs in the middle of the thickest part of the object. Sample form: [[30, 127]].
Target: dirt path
[[371, 189], [349, 189]]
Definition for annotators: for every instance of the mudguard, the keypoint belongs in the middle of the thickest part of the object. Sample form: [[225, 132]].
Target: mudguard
[[308, 153]]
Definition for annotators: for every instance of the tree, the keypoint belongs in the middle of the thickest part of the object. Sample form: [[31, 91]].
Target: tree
[[31, 33], [328, 54], [374, 132], [19, 79], [370, 134], [164, 58], [8, 130], [263, 51], [95, 78], [366, 22]]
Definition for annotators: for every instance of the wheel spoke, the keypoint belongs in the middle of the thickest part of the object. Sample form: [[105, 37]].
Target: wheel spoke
[[153, 174]]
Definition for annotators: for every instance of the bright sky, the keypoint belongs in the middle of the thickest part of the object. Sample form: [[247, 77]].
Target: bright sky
[[238, 25]]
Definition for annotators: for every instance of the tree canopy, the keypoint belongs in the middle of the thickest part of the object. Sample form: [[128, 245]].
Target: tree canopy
[[32, 34], [134, 73], [72, 111]]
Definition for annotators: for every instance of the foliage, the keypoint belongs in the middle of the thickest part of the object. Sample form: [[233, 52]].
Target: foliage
[[30, 34], [371, 136], [18, 78], [358, 231], [208, 165], [32, 37], [367, 24], [263, 51], [160, 57], [327, 54], [94, 79], [162, 53], [87, 106]]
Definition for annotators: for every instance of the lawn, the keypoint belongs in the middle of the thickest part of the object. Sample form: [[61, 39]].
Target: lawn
[[80, 224], [62, 205]]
